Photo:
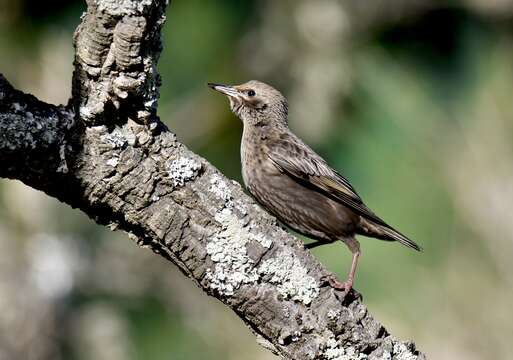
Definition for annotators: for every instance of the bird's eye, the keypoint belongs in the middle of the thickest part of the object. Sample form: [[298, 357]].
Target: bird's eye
[[251, 93]]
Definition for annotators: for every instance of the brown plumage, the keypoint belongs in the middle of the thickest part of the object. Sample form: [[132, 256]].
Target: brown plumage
[[293, 182]]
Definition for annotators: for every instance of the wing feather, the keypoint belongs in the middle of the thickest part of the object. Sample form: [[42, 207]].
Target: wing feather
[[294, 158]]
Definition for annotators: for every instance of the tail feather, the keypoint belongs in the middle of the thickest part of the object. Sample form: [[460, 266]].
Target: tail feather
[[387, 233], [396, 235]]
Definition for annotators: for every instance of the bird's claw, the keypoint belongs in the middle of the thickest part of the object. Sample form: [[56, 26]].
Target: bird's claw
[[331, 280]]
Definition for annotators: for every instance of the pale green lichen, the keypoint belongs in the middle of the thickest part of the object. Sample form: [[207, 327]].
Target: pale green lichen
[[113, 161], [401, 352], [227, 248], [262, 239], [335, 351], [124, 7], [233, 265], [291, 277], [333, 314], [221, 190], [386, 356], [116, 139], [182, 170]]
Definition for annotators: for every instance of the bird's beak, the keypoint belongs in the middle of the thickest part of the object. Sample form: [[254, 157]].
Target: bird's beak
[[225, 89]]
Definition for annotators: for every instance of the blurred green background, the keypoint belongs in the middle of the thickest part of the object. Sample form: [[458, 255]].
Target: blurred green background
[[411, 100]]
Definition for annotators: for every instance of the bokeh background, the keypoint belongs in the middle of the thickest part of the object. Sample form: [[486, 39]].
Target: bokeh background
[[411, 100]]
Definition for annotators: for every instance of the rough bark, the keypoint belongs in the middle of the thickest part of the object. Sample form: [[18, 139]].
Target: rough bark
[[108, 154]]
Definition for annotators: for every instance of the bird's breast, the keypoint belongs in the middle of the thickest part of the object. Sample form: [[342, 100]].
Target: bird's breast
[[256, 165], [257, 168], [301, 208]]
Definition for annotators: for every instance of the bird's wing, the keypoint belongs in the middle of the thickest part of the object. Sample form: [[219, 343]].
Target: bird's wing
[[294, 158]]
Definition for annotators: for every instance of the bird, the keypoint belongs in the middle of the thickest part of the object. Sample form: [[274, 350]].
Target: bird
[[294, 183]]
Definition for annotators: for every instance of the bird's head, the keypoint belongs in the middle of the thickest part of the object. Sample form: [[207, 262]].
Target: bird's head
[[255, 103]]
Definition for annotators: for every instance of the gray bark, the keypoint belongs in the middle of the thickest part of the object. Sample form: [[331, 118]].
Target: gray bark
[[108, 154]]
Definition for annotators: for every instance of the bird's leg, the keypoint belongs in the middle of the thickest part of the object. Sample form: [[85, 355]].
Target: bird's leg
[[347, 285]]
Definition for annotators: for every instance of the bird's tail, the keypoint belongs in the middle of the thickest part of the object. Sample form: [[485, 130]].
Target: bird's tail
[[385, 232]]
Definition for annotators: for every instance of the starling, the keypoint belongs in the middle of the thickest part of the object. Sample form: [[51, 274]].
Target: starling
[[294, 183]]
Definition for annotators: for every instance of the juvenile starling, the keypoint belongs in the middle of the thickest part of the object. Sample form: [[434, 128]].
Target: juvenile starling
[[294, 183]]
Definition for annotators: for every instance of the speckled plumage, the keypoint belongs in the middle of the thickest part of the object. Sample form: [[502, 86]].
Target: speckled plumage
[[293, 182]]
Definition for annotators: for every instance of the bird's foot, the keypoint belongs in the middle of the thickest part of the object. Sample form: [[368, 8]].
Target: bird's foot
[[344, 286]]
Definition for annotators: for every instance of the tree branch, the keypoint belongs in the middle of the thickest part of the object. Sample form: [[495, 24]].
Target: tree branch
[[108, 154]]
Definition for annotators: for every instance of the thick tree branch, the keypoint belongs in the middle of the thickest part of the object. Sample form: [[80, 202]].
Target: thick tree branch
[[33, 137], [112, 158]]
